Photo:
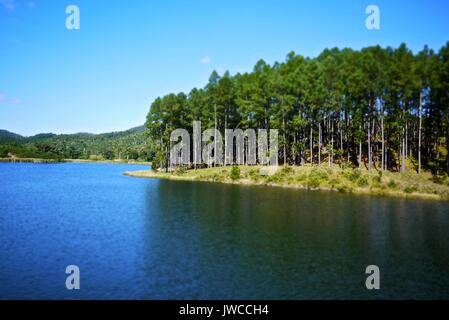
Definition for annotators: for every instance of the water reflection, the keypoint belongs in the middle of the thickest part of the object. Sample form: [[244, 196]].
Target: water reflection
[[222, 241], [151, 239]]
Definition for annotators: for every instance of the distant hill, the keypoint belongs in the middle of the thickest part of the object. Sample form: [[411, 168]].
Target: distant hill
[[129, 144], [8, 137]]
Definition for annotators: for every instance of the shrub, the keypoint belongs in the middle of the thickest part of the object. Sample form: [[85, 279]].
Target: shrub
[[333, 183], [179, 171], [377, 179], [235, 173], [95, 157], [352, 174], [217, 177], [392, 184], [316, 177], [287, 170], [254, 174], [362, 181], [347, 166], [3, 152], [278, 177], [439, 179], [342, 188], [301, 178], [410, 189]]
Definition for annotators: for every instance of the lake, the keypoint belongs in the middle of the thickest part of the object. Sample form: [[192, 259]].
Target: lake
[[152, 239]]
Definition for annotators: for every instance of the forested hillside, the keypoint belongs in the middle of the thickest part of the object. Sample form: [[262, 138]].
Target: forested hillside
[[379, 108], [9, 137], [124, 145]]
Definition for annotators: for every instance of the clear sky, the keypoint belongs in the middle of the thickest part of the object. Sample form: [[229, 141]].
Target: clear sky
[[104, 76]]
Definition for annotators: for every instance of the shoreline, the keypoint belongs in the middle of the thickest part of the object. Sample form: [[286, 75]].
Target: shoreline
[[293, 178], [312, 178], [55, 161]]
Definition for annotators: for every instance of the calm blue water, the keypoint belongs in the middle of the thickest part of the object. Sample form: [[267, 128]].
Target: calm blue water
[[150, 239]]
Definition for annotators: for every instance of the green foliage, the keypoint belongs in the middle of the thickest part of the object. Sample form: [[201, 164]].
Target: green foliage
[[7, 137], [352, 174], [287, 170], [377, 179], [410, 189], [392, 184], [180, 171], [94, 157], [235, 173], [254, 174], [343, 188], [441, 179], [3, 152], [335, 98], [126, 145], [316, 178], [362, 181], [283, 175]]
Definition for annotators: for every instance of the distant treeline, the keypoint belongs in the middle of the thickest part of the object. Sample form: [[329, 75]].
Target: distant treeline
[[381, 108], [125, 145]]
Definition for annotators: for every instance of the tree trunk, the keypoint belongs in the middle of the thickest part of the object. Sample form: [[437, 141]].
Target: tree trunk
[[360, 152], [311, 143], [319, 143], [406, 141], [403, 150], [225, 127], [447, 146], [331, 155], [369, 145], [437, 148], [341, 140], [215, 135], [166, 158], [285, 140], [360, 155], [419, 132], [383, 135]]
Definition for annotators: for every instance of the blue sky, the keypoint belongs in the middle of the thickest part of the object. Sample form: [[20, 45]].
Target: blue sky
[[104, 76]]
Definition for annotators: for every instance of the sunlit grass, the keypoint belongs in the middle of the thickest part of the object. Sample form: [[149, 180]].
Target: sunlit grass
[[323, 177]]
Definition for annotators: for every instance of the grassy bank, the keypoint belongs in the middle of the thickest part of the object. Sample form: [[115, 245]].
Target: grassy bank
[[37, 160], [409, 185], [108, 161], [30, 160]]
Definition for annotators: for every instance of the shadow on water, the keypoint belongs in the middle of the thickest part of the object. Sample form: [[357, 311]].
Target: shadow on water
[[219, 241]]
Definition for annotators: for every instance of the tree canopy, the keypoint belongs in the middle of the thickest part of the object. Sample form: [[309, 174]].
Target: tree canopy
[[379, 108]]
